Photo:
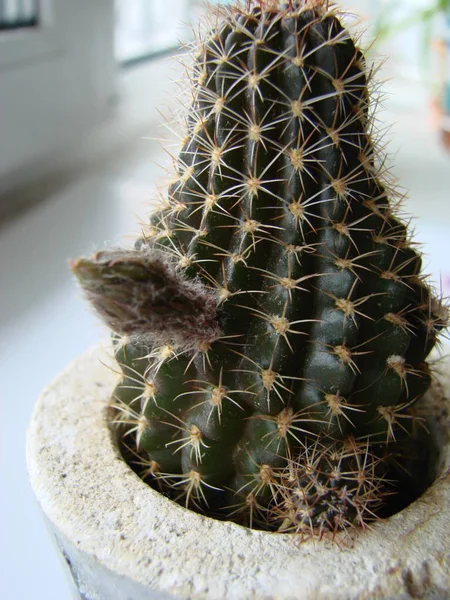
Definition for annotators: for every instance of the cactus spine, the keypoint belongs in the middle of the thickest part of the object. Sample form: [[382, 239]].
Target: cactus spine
[[272, 325]]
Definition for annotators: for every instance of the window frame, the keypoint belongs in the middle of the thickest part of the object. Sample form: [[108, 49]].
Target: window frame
[[26, 45]]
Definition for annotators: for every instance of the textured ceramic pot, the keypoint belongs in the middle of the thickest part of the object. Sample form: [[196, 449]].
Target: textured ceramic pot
[[124, 541]]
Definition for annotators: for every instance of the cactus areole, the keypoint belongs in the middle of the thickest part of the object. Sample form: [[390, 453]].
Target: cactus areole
[[272, 324]]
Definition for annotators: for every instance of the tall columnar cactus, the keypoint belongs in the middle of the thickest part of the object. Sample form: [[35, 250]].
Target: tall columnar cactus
[[272, 325]]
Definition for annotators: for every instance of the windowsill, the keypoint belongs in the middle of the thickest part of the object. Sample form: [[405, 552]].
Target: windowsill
[[21, 47]]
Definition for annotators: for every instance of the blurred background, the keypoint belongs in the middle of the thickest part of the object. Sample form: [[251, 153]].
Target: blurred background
[[81, 86]]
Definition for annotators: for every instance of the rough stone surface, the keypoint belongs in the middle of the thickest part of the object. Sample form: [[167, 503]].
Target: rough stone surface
[[125, 541]]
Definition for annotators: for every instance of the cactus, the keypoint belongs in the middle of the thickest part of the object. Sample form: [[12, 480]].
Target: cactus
[[272, 324]]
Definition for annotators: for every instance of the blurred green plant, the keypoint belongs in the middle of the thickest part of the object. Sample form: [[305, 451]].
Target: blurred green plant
[[386, 27]]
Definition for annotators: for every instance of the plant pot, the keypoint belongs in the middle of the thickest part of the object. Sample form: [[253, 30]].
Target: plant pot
[[124, 541]]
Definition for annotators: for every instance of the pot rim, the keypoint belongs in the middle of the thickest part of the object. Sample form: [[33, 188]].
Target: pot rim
[[108, 513]]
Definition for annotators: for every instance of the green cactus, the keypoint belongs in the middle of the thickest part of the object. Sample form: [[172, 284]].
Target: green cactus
[[271, 325]]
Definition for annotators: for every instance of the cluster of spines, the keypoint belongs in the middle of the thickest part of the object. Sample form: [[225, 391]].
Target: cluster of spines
[[329, 488], [281, 206]]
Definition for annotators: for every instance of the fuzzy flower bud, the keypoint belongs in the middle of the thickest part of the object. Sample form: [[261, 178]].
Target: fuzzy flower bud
[[141, 294]]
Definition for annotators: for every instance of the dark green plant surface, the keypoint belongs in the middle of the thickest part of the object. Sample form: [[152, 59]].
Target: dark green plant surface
[[272, 325]]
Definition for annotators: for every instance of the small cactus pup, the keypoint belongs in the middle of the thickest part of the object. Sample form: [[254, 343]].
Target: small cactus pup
[[272, 325]]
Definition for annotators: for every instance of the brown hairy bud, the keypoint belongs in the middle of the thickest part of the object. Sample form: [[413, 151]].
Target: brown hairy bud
[[141, 294]]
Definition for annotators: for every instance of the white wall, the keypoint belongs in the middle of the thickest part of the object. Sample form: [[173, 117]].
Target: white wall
[[55, 84]]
